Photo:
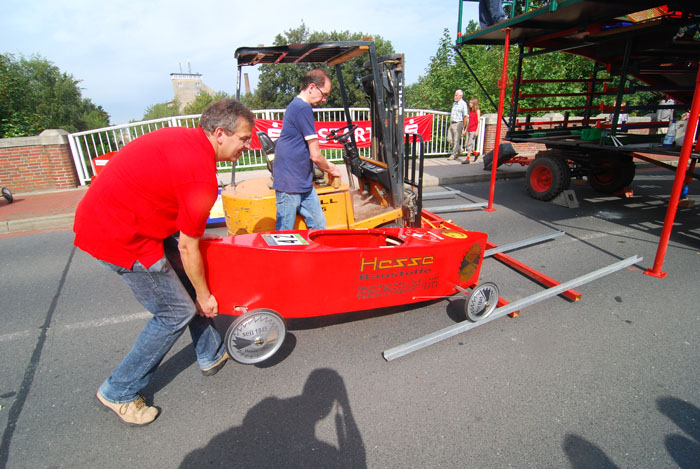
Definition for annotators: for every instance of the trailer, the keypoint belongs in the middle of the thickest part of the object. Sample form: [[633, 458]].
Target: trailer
[[634, 46]]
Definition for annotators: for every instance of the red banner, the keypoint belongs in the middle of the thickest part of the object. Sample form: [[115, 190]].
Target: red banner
[[422, 125]]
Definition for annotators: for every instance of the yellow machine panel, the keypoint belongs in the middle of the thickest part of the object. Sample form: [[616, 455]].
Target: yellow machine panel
[[250, 208]]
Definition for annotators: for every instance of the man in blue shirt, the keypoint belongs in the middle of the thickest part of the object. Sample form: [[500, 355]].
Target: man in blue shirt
[[296, 151]]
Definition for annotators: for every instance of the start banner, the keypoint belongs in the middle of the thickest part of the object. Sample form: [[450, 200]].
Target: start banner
[[422, 125]]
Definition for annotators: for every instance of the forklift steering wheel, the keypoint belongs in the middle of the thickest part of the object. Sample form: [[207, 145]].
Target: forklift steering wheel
[[343, 136]]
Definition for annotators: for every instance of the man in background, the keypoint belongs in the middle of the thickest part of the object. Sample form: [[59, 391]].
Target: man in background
[[490, 13], [665, 115], [458, 124]]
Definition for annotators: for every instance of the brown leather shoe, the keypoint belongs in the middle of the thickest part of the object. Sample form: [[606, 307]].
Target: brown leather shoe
[[135, 413], [214, 369]]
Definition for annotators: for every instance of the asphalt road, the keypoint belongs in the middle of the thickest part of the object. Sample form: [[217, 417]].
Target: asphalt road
[[609, 381]]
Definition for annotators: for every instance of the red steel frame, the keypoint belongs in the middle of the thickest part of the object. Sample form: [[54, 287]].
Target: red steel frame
[[431, 220], [681, 172], [502, 84]]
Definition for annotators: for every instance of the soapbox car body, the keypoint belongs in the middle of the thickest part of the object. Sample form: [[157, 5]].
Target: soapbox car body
[[266, 277]]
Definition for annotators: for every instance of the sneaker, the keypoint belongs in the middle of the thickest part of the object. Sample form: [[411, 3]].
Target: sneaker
[[476, 156], [466, 161], [451, 157], [135, 413], [214, 369]]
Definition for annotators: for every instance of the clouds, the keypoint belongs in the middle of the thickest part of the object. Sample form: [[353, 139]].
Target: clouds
[[123, 52]]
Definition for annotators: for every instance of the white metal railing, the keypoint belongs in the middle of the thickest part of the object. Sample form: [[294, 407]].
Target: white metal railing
[[86, 146]]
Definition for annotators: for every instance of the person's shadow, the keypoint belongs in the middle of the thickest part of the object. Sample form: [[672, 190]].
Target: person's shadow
[[583, 454], [282, 432], [685, 451]]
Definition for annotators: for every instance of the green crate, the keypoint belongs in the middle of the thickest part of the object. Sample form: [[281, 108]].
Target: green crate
[[590, 134]]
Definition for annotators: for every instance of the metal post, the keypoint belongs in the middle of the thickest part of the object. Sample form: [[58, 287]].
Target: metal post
[[497, 140], [516, 92], [238, 97], [476, 79], [589, 98], [459, 19], [621, 89], [348, 119], [677, 183]]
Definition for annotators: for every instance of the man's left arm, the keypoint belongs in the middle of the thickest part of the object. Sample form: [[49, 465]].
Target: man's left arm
[[194, 268], [465, 119], [320, 160]]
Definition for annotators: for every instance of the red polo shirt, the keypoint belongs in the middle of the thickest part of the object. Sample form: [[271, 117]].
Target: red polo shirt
[[157, 185]]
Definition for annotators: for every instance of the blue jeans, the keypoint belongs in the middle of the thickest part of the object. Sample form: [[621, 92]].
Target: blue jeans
[[164, 290], [490, 13], [307, 204]]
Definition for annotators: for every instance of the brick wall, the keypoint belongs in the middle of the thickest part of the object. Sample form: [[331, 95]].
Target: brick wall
[[29, 164], [523, 149]]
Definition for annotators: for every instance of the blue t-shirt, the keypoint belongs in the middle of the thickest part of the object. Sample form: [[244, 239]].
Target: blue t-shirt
[[293, 170]]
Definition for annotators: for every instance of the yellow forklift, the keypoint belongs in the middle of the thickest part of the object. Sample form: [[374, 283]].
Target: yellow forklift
[[384, 187]]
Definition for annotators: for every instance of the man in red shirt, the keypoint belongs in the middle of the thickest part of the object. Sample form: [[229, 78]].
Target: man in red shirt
[[162, 183]]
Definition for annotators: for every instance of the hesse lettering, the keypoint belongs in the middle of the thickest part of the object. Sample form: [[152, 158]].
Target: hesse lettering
[[375, 264]]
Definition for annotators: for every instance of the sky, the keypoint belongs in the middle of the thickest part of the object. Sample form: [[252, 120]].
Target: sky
[[123, 52]]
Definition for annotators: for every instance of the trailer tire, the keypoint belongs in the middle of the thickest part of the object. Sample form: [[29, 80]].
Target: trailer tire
[[505, 152], [8, 195], [609, 176], [547, 176]]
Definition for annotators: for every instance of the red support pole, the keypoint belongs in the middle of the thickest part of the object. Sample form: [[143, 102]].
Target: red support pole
[[503, 85], [681, 171]]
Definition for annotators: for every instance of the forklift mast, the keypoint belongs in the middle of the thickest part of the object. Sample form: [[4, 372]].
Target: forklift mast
[[384, 86]]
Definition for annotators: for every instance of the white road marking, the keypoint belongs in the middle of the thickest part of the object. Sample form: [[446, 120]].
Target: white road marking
[[78, 326]]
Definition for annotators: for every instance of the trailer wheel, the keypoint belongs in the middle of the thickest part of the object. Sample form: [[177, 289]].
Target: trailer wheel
[[7, 194], [547, 176], [482, 302], [255, 336], [609, 176]]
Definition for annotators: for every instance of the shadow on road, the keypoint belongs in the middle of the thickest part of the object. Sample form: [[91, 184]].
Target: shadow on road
[[685, 451], [583, 454], [282, 432]]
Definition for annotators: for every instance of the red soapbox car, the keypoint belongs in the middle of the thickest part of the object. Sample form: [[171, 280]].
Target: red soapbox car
[[324, 272]]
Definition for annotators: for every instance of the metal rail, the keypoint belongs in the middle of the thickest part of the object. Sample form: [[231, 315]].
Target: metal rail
[[457, 208], [87, 145], [464, 326], [523, 243]]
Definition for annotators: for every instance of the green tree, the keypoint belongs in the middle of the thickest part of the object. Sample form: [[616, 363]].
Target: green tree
[[35, 95], [93, 117], [252, 101], [202, 101], [447, 72], [160, 110], [278, 84]]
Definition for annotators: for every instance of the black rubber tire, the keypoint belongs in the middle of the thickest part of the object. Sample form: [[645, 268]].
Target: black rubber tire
[[8, 195], [610, 176], [505, 152], [547, 176]]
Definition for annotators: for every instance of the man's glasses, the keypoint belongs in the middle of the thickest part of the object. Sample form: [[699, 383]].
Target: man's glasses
[[325, 96]]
